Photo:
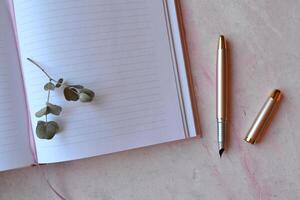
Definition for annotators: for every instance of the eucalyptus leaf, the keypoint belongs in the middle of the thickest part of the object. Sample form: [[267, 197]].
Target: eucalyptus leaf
[[46, 130], [49, 86], [50, 108], [54, 124], [71, 94], [42, 112], [76, 86], [85, 98], [86, 95], [54, 109], [59, 82]]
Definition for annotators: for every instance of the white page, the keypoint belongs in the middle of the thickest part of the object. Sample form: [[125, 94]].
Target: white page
[[120, 49], [14, 141], [189, 113]]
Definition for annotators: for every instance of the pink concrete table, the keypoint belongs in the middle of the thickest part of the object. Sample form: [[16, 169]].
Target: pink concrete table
[[264, 41]]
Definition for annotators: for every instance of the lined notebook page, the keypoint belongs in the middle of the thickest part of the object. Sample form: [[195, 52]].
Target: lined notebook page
[[119, 49], [14, 142]]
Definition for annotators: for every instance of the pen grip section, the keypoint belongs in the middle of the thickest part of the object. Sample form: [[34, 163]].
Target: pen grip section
[[221, 130]]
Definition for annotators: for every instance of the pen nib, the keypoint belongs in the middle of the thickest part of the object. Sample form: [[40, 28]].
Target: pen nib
[[221, 152]]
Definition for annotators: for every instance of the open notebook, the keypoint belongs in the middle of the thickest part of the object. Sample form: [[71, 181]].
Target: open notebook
[[131, 53]]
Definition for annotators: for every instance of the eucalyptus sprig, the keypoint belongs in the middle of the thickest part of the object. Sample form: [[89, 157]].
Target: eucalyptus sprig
[[47, 129]]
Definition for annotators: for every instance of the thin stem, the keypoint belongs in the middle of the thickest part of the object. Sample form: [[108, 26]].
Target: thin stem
[[40, 67], [48, 98]]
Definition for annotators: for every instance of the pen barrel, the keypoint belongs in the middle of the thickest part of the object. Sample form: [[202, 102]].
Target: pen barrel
[[262, 119], [222, 85]]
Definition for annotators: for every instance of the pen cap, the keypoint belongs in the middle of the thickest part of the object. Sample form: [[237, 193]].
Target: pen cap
[[263, 117]]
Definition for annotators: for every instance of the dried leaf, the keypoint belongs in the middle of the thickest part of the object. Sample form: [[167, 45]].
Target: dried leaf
[[86, 95], [46, 130], [54, 109], [50, 108], [85, 98], [59, 82], [71, 94], [49, 86], [41, 130], [42, 112], [76, 86], [54, 124]]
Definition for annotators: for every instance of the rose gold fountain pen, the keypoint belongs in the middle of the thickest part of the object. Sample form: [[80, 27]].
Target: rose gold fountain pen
[[222, 93]]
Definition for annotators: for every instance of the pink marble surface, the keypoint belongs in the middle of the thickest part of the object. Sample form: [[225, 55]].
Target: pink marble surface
[[264, 41]]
